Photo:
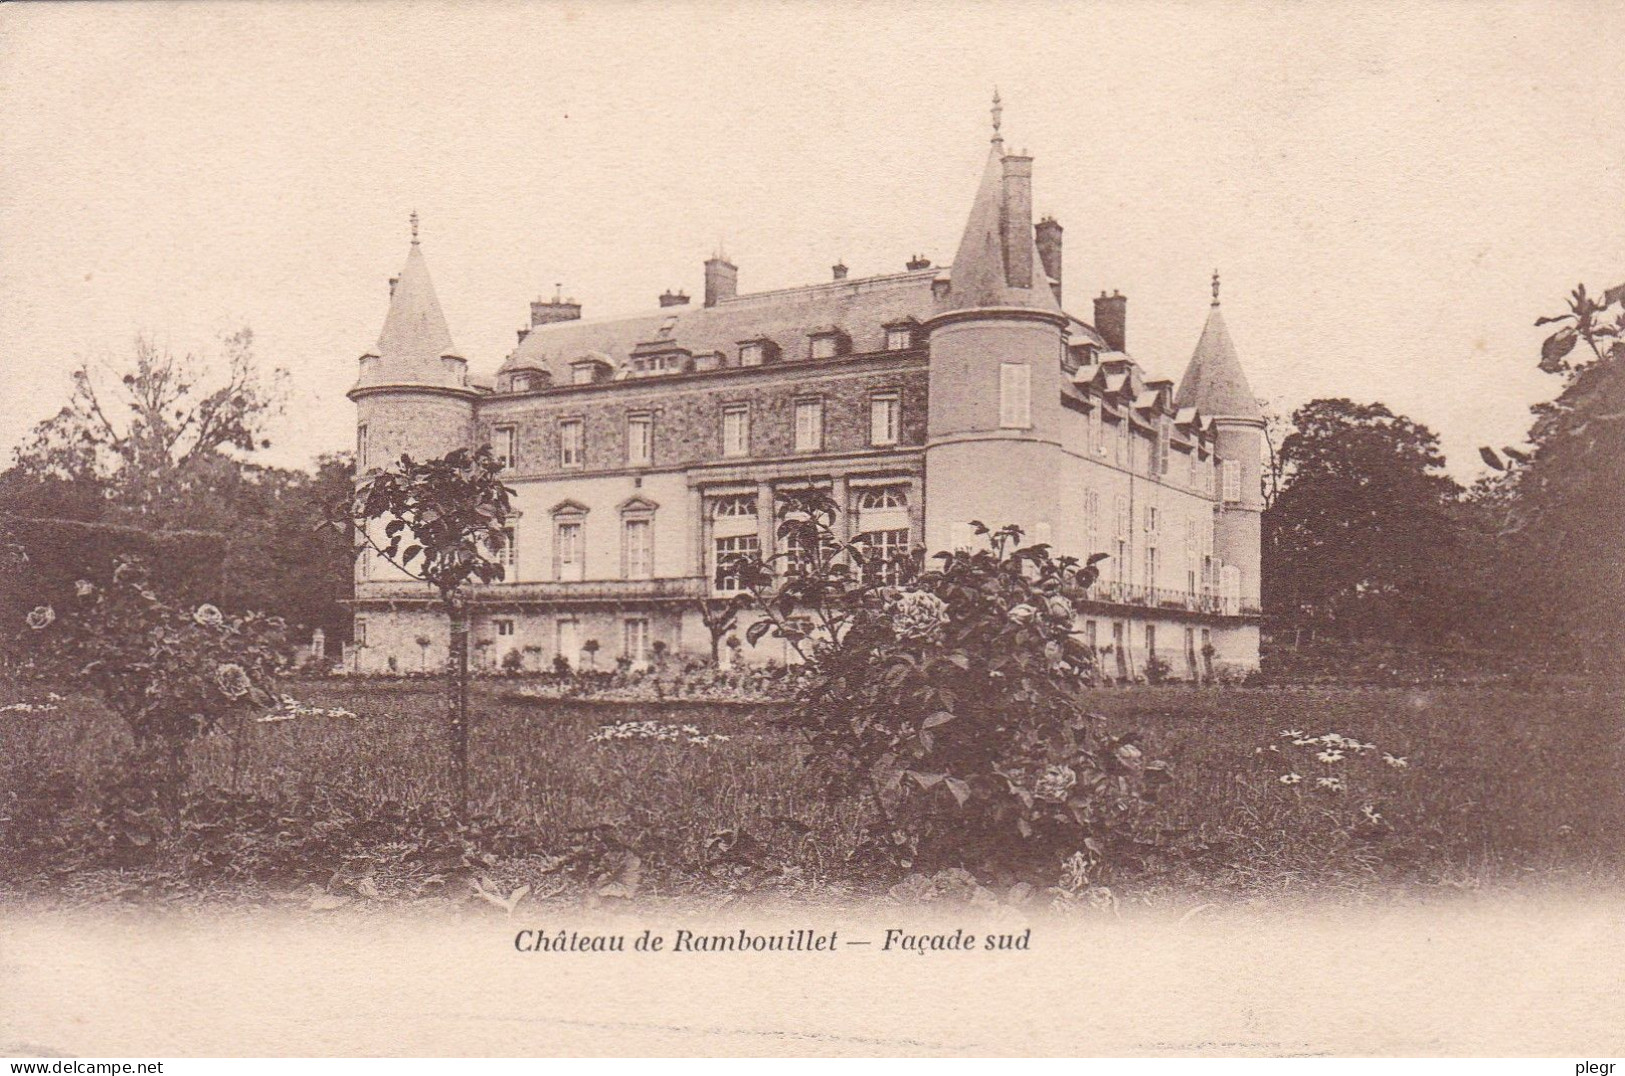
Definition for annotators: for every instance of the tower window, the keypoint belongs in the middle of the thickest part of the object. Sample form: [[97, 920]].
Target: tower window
[[1015, 395], [361, 447], [1232, 481]]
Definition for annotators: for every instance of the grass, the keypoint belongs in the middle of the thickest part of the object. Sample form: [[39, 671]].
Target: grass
[[1499, 784]]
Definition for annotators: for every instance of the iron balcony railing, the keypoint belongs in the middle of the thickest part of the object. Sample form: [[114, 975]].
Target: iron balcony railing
[[1191, 601], [682, 588]]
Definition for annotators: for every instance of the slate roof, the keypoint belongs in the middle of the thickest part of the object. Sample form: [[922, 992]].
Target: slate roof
[[1214, 382], [415, 334]]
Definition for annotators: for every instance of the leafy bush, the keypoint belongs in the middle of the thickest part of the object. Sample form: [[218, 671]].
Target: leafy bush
[[169, 672], [952, 696]]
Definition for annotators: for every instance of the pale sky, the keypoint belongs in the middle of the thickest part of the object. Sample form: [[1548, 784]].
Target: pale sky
[[1392, 192]]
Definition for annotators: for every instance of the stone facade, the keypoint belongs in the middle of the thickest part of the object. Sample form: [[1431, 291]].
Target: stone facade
[[644, 451]]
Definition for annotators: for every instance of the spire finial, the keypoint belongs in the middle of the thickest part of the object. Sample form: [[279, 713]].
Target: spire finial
[[998, 115], [1215, 287], [414, 220]]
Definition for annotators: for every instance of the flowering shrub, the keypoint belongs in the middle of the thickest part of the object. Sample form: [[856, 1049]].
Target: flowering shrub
[[171, 673], [952, 698], [289, 708]]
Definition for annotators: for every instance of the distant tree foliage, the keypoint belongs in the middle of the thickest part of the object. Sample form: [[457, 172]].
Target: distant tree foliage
[[1359, 539]]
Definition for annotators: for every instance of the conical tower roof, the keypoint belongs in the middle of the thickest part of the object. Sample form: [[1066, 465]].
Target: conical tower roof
[[1214, 382], [415, 334], [977, 277]]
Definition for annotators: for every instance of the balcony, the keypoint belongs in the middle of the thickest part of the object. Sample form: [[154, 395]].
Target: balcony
[[584, 592], [1172, 599]]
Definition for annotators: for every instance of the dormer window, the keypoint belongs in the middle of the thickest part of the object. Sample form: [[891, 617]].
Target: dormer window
[[758, 352], [827, 344], [582, 373], [900, 334], [522, 383]]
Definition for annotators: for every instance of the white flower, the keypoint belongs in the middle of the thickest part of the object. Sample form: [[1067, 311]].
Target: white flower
[[917, 613], [1329, 757], [1291, 734], [233, 680], [41, 617], [1330, 784], [208, 616], [1056, 782], [1396, 763], [84, 588], [1059, 608], [1372, 815], [1022, 613], [1290, 778]]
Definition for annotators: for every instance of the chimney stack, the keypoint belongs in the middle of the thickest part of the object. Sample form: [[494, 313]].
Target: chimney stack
[[838, 270], [556, 309], [392, 282], [670, 299], [1111, 316], [721, 280], [1016, 222], [1048, 236], [918, 262]]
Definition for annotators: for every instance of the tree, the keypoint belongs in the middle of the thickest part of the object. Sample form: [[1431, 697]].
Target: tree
[[158, 415], [720, 616], [1359, 536], [1559, 507], [439, 521]]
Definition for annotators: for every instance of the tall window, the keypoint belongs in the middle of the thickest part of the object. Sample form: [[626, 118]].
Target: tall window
[[359, 632], [361, 447], [885, 556], [638, 536], [1124, 441], [1232, 481], [569, 556], [363, 564], [505, 443], [1120, 516], [1091, 518], [1151, 520], [568, 640], [635, 638], [1151, 566], [572, 443], [639, 439], [1015, 395], [728, 553], [885, 414], [509, 558], [1150, 641], [809, 425], [736, 430], [1164, 441], [1092, 441]]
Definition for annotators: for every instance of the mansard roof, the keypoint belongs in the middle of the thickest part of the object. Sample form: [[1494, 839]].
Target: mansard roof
[[789, 318]]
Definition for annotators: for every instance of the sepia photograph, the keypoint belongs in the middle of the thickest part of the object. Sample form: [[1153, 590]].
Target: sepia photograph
[[715, 529]]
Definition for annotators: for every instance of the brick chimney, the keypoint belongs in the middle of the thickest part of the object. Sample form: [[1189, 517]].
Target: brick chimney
[[677, 299], [1111, 316], [918, 262], [721, 280], [838, 271], [1016, 222], [556, 309], [1048, 235]]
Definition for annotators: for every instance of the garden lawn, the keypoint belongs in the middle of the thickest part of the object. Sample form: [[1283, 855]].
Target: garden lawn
[[1460, 786]]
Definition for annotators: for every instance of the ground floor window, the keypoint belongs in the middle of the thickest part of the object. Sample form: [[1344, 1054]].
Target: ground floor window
[[360, 634], [1150, 641], [1120, 647], [504, 626], [1207, 652], [1089, 634], [636, 638], [885, 558], [569, 640], [729, 551], [1190, 652]]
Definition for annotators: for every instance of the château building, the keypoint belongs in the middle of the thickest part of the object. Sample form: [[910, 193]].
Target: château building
[[645, 451]]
